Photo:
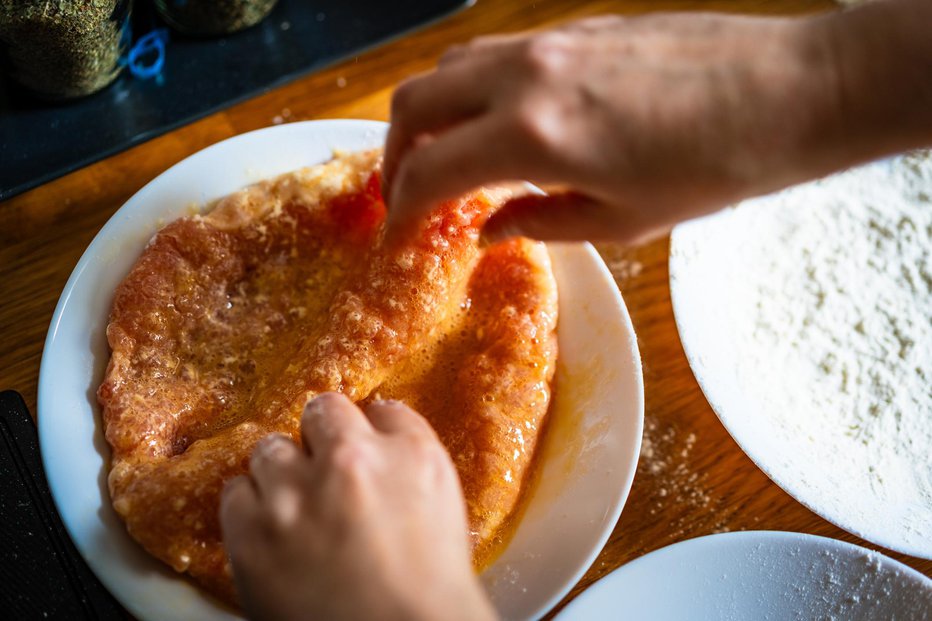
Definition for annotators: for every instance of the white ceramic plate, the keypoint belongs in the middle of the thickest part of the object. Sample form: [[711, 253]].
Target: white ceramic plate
[[589, 455], [760, 575], [871, 487]]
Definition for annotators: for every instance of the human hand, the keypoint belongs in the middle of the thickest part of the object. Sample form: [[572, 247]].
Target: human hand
[[368, 523], [647, 120]]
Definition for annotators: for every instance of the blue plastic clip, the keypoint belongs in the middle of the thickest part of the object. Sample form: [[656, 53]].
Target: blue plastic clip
[[147, 56]]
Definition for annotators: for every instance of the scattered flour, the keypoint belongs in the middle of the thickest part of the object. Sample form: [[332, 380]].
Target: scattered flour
[[622, 268], [284, 117], [807, 318], [682, 495]]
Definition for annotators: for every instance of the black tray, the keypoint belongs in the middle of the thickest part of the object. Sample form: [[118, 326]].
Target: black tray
[[40, 141], [41, 574]]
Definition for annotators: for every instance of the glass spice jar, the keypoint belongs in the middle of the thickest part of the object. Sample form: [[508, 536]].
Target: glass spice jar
[[213, 17], [60, 49]]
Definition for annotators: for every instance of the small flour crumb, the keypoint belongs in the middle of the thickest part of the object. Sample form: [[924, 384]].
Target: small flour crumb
[[621, 266]]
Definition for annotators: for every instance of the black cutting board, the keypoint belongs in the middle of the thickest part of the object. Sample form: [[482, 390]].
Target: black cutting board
[[41, 141], [41, 574]]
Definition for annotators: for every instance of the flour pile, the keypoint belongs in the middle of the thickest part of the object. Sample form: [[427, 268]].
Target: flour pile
[[807, 318]]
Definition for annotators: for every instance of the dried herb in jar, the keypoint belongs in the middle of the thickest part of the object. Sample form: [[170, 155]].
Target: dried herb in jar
[[213, 17], [64, 48]]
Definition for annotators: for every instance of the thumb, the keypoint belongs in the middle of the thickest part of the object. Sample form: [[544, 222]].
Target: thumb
[[566, 216]]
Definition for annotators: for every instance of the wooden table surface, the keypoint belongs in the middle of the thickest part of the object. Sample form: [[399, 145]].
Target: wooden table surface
[[692, 479]]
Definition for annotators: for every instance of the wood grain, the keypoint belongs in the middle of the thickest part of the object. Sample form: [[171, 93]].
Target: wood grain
[[692, 479]]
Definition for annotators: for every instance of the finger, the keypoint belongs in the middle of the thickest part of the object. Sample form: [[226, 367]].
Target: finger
[[273, 462], [330, 419], [459, 160], [560, 217], [432, 102], [238, 504], [389, 416], [480, 46]]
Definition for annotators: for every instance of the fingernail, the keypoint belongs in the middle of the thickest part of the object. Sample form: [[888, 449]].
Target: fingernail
[[317, 404], [274, 438], [498, 232], [387, 402], [271, 445], [314, 406]]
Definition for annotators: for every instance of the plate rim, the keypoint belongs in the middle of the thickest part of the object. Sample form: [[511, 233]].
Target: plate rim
[[743, 537], [625, 490]]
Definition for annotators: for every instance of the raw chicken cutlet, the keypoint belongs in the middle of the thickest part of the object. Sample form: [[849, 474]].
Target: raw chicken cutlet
[[231, 320]]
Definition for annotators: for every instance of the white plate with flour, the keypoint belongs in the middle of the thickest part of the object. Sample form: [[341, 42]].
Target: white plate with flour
[[589, 454], [806, 317], [765, 576]]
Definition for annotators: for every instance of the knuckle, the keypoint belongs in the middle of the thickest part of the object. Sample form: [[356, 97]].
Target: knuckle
[[599, 22], [270, 528], [350, 476], [283, 513], [476, 44], [403, 97], [426, 449], [611, 20], [351, 460], [538, 127], [546, 54], [453, 53]]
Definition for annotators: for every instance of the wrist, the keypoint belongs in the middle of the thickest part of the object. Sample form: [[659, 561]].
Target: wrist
[[881, 62], [822, 122], [461, 599], [795, 122], [857, 86], [470, 604]]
